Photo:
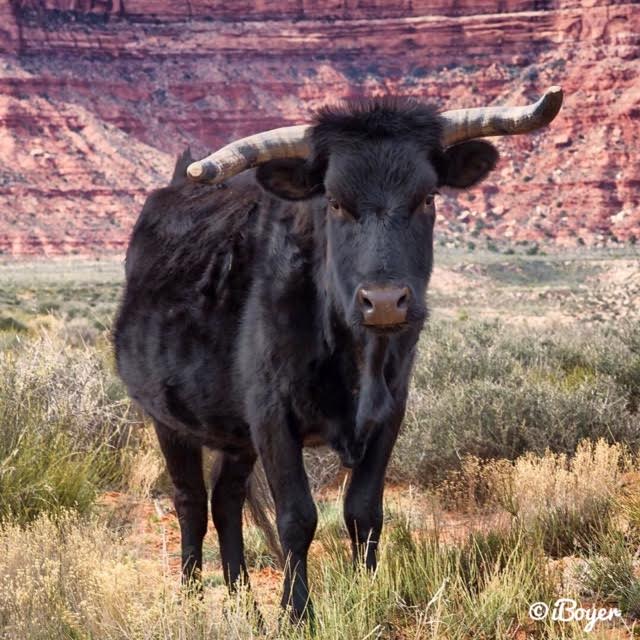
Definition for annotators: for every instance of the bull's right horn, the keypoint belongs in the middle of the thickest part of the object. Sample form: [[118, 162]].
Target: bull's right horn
[[236, 157]]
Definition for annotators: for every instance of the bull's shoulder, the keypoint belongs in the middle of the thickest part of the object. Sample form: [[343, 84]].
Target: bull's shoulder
[[171, 212], [185, 228]]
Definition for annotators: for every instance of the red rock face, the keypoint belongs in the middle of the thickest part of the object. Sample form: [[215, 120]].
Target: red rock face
[[97, 96]]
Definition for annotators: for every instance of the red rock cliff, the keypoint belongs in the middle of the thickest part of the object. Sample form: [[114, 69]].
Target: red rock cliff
[[96, 96]]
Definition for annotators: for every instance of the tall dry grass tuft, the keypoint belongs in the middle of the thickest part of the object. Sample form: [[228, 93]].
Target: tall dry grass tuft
[[570, 502], [560, 482], [74, 578]]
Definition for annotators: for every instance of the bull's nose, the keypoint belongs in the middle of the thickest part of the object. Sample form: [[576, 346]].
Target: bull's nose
[[383, 305]]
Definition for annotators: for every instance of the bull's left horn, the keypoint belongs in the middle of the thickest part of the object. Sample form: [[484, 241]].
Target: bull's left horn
[[236, 157], [465, 124]]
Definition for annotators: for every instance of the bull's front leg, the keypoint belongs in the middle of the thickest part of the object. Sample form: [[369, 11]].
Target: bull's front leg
[[296, 516], [363, 499]]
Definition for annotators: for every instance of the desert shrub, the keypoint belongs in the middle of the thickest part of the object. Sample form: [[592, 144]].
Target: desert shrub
[[64, 420], [611, 575], [492, 391], [623, 361], [11, 324]]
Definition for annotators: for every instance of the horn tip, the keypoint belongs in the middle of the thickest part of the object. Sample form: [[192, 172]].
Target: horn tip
[[555, 93], [204, 171], [195, 170], [552, 101]]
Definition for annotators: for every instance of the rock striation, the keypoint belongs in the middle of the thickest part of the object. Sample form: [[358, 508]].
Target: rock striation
[[97, 96]]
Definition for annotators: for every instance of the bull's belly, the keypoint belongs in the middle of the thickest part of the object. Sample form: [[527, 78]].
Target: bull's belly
[[315, 440], [180, 372], [205, 419], [183, 381]]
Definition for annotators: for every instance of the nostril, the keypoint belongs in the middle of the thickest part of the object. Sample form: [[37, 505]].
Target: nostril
[[365, 302], [403, 300]]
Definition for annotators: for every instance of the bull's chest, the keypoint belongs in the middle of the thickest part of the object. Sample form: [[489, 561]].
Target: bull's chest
[[325, 399]]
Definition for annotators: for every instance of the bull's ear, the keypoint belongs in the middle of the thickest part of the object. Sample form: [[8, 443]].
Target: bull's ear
[[467, 163], [289, 179]]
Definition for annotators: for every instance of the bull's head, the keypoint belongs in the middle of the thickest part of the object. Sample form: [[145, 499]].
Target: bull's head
[[371, 170], [377, 167]]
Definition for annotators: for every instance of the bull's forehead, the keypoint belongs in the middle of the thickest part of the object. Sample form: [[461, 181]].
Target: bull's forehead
[[379, 173]]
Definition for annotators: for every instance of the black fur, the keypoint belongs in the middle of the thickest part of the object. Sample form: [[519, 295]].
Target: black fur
[[240, 328]]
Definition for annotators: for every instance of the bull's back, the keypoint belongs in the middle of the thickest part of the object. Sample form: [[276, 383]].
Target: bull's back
[[189, 267]]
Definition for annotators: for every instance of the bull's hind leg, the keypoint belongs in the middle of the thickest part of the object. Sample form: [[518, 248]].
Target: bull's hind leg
[[184, 463], [227, 499]]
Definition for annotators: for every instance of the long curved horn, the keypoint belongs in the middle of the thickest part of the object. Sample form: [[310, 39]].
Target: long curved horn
[[464, 124], [294, 141], [286, 142]]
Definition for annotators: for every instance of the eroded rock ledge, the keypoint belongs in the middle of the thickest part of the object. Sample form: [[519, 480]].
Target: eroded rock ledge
[[97, 96]]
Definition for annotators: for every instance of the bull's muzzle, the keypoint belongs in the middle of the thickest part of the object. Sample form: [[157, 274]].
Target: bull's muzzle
[[383, 305]]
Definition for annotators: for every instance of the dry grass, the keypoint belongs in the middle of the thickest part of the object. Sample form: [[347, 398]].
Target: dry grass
[[515, 436], [560, 482], [75, 577]]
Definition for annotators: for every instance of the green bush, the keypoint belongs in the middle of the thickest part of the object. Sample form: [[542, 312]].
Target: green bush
[[64, 420], [610, 575], [495, 391], [9, 323]]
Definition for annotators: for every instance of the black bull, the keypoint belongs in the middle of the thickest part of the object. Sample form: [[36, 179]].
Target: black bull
[[282, 308]]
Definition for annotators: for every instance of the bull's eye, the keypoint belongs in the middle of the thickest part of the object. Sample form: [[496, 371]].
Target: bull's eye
[[339, 212], [428, 201], [334, 204]]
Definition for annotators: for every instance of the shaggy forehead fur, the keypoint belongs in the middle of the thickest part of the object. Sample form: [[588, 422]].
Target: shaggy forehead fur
[[402, 119]]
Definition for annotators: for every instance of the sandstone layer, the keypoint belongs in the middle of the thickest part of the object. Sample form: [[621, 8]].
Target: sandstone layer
[[97, 96]]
